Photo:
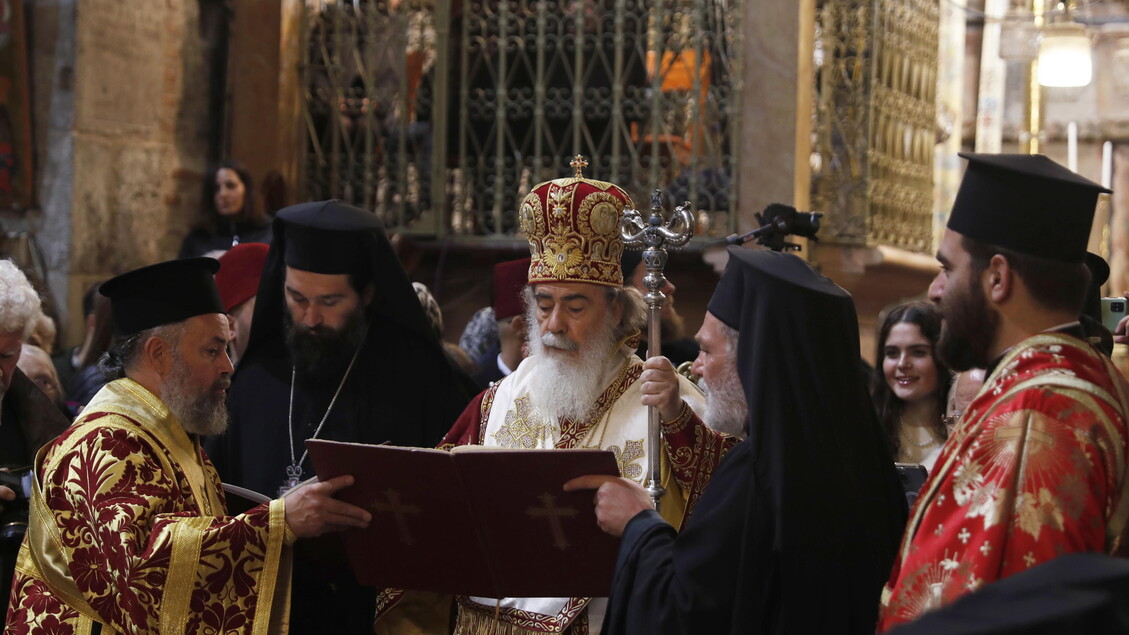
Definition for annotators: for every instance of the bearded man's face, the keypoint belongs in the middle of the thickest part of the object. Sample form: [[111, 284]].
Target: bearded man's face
[[969, 329], [325, 322], [195, 388], [572, 317], [322, 352], [716, 364], [575, 336]]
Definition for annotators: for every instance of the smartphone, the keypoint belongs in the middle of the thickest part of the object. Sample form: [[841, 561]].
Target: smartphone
[[1113, 309], [912, 476]]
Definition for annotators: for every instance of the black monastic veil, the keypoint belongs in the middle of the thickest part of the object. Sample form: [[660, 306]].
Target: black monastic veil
[[797, 530], [402, 390]]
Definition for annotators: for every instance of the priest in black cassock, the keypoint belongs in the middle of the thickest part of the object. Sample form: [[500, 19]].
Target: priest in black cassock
[[796, 532], [340, 349]]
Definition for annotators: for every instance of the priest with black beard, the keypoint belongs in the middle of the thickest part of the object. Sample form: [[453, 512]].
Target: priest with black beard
[[798, 526], [340, 349]]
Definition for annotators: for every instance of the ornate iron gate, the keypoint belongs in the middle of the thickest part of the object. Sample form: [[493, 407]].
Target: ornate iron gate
[[439, 116]]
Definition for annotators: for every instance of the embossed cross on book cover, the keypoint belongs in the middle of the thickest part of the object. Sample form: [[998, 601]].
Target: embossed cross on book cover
[[474, 521]]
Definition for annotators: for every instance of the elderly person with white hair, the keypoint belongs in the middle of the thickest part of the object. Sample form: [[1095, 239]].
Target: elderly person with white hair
[[28, 419]]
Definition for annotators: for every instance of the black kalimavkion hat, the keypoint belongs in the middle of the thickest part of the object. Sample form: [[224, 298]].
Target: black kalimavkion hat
[[328, 237], [1027, 203], [163, 293]]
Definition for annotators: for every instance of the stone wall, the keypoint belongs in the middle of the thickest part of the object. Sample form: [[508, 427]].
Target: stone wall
[[123, 134]]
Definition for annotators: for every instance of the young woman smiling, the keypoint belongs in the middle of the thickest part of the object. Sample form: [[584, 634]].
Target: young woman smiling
[[910, 390]]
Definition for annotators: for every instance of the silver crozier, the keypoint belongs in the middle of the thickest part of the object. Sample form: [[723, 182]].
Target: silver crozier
[[654, 235]]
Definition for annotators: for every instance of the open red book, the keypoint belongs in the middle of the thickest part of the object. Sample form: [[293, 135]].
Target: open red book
[[475, 521]]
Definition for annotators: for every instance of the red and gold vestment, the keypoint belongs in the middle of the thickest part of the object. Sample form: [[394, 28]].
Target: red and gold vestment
[[128, 530], [1035, 469], [503, 416]]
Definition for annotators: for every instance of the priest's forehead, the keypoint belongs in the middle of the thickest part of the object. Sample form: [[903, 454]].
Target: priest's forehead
[[208, 326], [312, 283], [569, 291]]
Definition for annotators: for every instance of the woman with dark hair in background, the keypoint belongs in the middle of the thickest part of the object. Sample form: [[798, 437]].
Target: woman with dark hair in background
[[911, 389], [231, 217]]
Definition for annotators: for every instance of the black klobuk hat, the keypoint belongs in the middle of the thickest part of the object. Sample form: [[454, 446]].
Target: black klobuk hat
[[328, 237]]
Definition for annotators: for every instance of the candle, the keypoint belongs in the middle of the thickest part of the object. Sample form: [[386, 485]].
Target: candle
[[1107, 164], [1072, 146]]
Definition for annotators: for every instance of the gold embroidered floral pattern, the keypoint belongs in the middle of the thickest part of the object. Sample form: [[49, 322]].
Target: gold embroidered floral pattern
[[560, 199], [1037, 511], [925, 586], [628, 458], [522, 428], [985, 502], [967, 480], [694, 451], [131, 535]]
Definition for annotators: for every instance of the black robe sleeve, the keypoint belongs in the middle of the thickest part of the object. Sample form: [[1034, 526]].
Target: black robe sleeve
[[691, 585]]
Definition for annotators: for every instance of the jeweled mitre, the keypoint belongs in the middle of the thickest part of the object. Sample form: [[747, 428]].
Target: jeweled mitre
[[573, 229]]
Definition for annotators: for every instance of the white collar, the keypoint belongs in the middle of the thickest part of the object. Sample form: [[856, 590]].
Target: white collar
[[506, 370]]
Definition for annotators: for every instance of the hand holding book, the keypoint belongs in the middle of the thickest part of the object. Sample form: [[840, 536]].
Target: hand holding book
[[475, 521]]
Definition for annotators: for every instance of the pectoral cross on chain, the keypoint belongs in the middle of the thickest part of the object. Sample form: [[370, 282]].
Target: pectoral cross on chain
[[293, 479], [399, 511], [550, 511]]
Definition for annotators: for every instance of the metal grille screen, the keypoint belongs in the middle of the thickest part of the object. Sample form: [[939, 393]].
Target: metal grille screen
[[439, 117]]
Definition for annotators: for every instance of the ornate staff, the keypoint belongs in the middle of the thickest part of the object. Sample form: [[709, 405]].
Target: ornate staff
[[655, 235]]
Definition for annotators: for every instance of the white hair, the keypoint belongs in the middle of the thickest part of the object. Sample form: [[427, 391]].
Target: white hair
[[126, 350], [731, 334], [19, 303], [726, 409]]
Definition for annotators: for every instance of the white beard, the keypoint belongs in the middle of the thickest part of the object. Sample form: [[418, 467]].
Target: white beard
[[726, 410], [567, 387]]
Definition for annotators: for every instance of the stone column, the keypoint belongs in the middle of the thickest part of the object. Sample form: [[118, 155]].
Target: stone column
[[776, 106], [51, 27], [121, 109], [947, 166], [265, 85]]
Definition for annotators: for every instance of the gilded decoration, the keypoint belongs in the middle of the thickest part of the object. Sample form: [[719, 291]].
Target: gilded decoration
[[1028, 478], [627, 458], [573, 230], [522, 429], [876, 121]]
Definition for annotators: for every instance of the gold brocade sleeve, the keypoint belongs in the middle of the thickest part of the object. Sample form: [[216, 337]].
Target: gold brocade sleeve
[[119, 536], [694, 452]]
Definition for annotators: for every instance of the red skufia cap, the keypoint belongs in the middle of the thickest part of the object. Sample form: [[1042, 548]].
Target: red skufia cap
[[509, 279], [240, 270]]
